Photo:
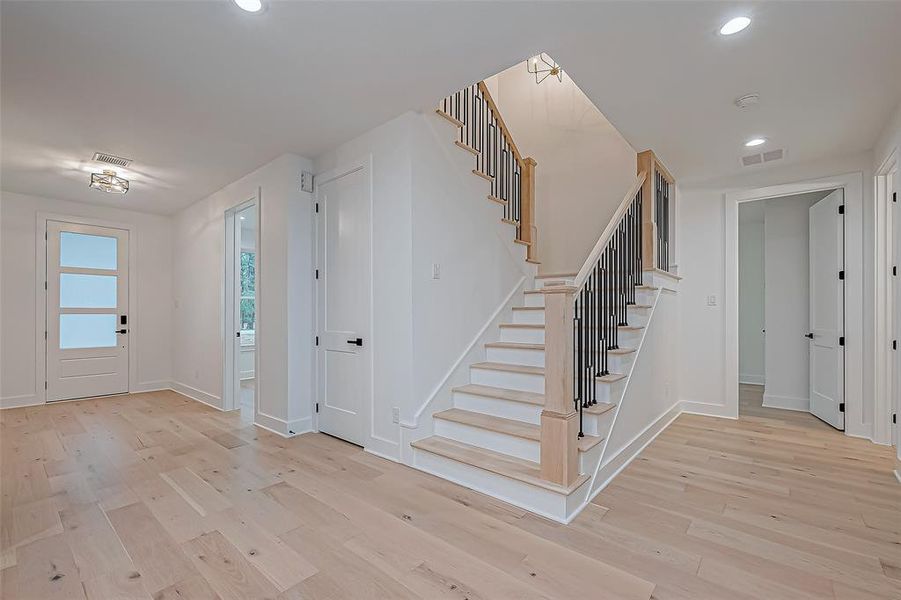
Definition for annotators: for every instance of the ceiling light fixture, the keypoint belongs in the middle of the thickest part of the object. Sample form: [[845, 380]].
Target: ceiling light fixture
[[543, 67], [109, 182], [735, 25], [251, 6], [755, 142]]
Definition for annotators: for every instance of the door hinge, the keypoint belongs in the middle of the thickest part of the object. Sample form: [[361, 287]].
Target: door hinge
[[841, 209], [894, 418], [894, 196], [317, 407], [841, 341], [894, 270], [841, 274], [894, 344], [317, 273], [45, 286], [317, 340], [317, 207], [45, 236], [841, 407], [45, 336], [45, 385]]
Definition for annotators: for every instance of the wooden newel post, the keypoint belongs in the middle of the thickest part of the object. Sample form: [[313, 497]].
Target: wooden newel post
[[528, 231], [646, 163], [559, 419]]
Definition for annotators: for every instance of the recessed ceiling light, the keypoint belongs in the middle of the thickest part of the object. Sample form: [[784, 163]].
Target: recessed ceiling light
[[733, 26], [250, 5], [242, 218], [755, 142]]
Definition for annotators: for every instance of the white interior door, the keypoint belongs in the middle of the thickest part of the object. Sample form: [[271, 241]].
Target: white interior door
[[87, 311], [827, 356], [344, 297]]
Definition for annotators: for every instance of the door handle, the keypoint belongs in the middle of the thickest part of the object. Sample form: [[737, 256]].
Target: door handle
[[809, 335], [121, 331], [356, 342]]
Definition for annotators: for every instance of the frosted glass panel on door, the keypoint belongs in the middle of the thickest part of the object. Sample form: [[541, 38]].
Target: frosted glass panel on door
[[87, 251], [87, 291], [87, 331]]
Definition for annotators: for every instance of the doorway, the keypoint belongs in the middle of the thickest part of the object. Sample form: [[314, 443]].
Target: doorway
[[344, 297], [241, 316], [791, 304], [87, 342]]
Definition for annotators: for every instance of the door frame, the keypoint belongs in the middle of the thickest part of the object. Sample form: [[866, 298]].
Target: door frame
[[886, 305], [852, 184], [231, 380], [363, 163], [40, 297]]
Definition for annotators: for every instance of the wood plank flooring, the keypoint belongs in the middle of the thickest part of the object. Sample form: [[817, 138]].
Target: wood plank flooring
[[156, 496]]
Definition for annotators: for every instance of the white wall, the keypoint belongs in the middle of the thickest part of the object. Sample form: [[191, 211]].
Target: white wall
[[787, 303], [585, 167], [284, 333], [427, 208], [751, 265], [151, 311], [701, 263]]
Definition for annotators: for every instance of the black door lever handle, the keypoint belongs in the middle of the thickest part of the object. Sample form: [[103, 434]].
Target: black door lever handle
[[356, 342], [121, 331], [809, 335]]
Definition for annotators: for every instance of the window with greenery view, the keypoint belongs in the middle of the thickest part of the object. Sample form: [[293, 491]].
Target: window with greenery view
[[248, 292]]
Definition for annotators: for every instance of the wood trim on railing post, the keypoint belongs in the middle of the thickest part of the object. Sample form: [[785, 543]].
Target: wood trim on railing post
[[647, 164], [527, 229], [559, 419]]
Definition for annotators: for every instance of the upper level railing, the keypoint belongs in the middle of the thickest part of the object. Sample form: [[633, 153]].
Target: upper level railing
[[657, 222], [498, 160]]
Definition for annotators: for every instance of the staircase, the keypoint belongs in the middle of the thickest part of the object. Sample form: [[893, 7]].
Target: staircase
[[531, 425]]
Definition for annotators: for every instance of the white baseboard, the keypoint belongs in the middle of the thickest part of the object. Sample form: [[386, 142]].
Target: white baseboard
[[749, 379], [707, 409], [151, 386], [199, 395], [20, 401], [281, 427], [786, 402]]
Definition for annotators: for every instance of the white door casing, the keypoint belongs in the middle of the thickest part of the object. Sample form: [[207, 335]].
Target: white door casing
[[344, 296], [827, 356], [87, 320]]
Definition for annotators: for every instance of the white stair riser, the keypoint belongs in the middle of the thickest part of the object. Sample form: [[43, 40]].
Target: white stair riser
[[522, 335], [498, 407], [629, 339], [525, 382], [515, 356], [530, 317], [533, 299], [597, 424], [638, 316], [492, 440], [610, 392], [620, 363]]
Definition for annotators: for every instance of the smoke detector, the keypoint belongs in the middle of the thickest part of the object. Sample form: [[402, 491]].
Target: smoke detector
[[747, 101], [111, 159]]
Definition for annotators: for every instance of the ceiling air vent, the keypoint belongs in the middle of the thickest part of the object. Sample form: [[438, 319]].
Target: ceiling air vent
[[111, 159], [758, 159]]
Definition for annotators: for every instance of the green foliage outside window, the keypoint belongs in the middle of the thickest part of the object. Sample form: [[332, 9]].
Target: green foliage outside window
[[248, 291]]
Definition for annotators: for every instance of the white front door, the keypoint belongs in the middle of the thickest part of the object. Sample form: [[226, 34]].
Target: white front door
[[344, 297], [827, 309], [87, 311]]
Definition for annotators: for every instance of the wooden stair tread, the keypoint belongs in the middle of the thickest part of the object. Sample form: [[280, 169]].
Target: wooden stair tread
[[515, 345], [519, 429], [620, 351], [525, 471], [528, 308], [498, 200], [657, 271], [556, 276], [523, 325], [598, 409], [484, 176], [533, 261], [587, 442], [533, 292], [631, 327], [451, 119], [641, 306], [610, 378], [466, 147], [647, 288], [509, 367], [501, 393]]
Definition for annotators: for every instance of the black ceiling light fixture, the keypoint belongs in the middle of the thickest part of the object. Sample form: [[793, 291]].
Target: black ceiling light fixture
[[542, 66]]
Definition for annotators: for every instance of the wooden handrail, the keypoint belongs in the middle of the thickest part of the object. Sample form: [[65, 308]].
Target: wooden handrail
[[500, 121], [654, 249], [595, 253]]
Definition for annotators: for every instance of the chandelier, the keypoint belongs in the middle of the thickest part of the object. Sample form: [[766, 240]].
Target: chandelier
[[542, 66], [109, 182]]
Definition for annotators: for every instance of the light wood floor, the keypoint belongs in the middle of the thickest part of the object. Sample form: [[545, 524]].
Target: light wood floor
[[154, 495]]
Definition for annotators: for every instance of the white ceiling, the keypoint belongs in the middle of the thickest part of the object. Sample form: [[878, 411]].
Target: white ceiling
[[200, 93]]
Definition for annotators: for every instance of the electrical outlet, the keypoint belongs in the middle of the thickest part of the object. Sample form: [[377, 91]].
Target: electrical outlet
[[436, 271], [395, 415], [711, 300]]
